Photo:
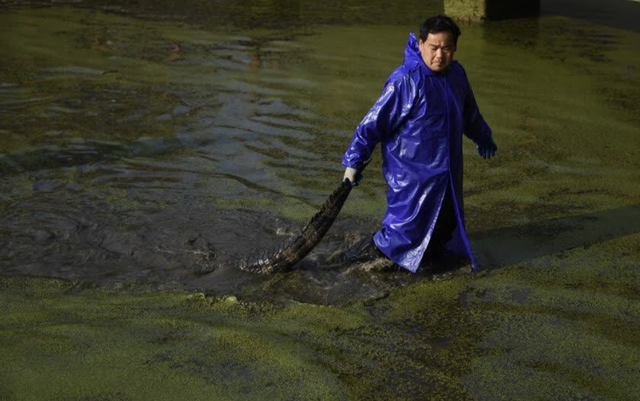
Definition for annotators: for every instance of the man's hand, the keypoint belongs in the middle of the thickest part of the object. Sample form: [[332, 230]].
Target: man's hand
[[352, 175], [487, 149]]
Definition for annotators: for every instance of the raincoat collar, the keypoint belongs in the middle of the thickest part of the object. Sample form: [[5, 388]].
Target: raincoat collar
[[413, 57]]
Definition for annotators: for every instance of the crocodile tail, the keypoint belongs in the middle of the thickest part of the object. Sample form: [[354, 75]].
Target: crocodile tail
[[292, 251]]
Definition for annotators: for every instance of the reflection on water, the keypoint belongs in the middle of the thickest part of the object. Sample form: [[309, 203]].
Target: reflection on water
[[621, 14], [145, 140], [255, 14]]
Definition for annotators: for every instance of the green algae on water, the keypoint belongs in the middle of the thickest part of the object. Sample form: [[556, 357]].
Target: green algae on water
[[229, 119]]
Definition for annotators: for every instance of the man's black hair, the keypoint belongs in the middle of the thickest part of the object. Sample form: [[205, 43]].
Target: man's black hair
[[437, 24]]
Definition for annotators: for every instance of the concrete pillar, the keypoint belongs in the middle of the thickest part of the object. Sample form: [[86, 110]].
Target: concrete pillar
[[476, 10]]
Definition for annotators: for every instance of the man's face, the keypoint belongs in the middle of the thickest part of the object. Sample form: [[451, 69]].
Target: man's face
[[437, 51]]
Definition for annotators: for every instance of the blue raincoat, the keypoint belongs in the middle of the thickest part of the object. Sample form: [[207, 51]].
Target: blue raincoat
[[419, 120]]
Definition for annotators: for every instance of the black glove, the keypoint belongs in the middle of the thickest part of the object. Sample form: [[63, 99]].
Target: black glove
[[487, 149]]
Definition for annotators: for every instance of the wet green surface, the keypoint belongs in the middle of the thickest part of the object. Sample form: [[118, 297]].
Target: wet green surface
[[134, 136], [554, 328]]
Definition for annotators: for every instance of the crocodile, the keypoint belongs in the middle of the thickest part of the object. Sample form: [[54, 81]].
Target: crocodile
[[295, 249]]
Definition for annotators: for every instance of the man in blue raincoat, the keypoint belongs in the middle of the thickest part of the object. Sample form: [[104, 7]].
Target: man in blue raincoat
[[425, 107]]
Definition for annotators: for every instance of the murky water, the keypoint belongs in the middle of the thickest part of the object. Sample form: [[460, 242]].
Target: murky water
[[144, 141], [141, 141]]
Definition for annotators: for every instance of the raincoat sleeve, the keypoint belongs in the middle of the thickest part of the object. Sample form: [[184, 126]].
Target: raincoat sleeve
[[474, 125], [386, 115]]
